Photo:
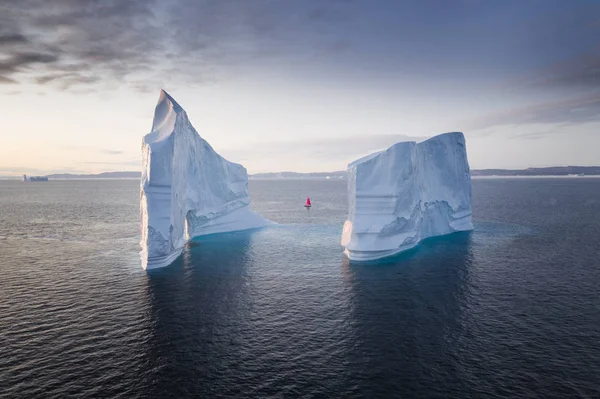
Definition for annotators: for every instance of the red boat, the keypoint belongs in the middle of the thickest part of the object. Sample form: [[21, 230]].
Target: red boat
[[307, 205]]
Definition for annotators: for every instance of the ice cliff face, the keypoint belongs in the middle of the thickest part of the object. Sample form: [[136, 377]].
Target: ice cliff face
[[406, 193], [187, 189]]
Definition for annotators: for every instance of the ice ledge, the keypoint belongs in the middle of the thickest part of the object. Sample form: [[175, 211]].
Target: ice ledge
[[365, 256], [359, 255], [155, 262]]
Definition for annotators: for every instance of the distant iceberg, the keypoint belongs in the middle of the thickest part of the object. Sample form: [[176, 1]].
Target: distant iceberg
[[34, 178], [187, 189], [406, 193]]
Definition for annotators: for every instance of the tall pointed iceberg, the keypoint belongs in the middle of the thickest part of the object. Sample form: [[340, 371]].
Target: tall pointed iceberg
[[406, 193], [187, 189]]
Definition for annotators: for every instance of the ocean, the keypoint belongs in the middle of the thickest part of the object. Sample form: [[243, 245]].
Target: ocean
[[511, 309]]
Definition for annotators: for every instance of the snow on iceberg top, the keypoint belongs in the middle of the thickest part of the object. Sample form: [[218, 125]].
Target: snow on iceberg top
[[435, 168], [459, 137]]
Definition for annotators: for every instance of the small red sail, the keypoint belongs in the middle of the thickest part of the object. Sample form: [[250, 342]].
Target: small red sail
[[307, 202]]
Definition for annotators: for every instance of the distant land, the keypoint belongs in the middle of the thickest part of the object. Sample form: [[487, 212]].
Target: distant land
[[136, 175], [295, 175], [105, 175], [549, 171]]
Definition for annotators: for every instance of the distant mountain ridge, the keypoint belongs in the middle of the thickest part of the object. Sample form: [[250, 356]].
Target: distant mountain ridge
[[549, 171], [137, 175], [105, 175], [297, 175]]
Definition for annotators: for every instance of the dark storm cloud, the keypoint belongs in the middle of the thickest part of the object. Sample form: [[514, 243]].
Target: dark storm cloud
[[12, 39], [114, 40], [42, 80], [77, 42], [147, 43], [19, 60]]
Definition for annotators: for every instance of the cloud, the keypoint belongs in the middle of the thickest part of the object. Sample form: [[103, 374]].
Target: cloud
[[135, 162], [74, 43], [4, 80], [146, 44], [101, 150], [579, 72], [310, 155], [18, 60], [79, 42], [12, 38], [536, 134], [68, 80], [576, 110], [578, 41], [331, 149]]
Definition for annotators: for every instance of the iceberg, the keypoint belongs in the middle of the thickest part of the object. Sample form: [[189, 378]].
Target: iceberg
[[409, 192], [187, 189]]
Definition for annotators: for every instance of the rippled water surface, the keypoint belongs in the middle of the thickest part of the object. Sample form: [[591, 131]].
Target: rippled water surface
[[510, 310]]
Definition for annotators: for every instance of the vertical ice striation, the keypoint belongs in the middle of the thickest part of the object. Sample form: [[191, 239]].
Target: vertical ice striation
[[187, 189], [406, 193]]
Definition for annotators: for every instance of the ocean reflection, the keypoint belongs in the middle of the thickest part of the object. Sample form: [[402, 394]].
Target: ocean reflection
[[254, 315], [269, 313], [408, 316], [195, 305]]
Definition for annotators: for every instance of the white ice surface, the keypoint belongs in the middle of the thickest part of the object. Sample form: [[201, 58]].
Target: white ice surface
[[405, 194], [187, 189]]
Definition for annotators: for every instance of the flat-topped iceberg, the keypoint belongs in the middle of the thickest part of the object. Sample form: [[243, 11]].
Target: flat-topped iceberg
[[406, 193], [187, 189]]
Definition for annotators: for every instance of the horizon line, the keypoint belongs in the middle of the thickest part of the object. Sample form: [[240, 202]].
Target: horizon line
[[49, 173]]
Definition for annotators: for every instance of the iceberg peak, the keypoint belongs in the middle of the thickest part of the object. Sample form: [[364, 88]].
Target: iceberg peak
[[165, 113], [164, 96]]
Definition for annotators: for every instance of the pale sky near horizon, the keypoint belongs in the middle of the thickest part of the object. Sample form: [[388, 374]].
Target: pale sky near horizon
[[299, 85]]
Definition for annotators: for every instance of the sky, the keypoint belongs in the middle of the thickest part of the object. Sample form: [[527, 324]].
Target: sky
[[287, 85]]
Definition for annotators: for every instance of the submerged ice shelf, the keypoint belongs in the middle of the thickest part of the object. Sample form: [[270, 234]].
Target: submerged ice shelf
[[407, 193], [187, 189]]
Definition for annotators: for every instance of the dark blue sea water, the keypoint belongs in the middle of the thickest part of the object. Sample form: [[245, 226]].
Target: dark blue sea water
[[510, 310]]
